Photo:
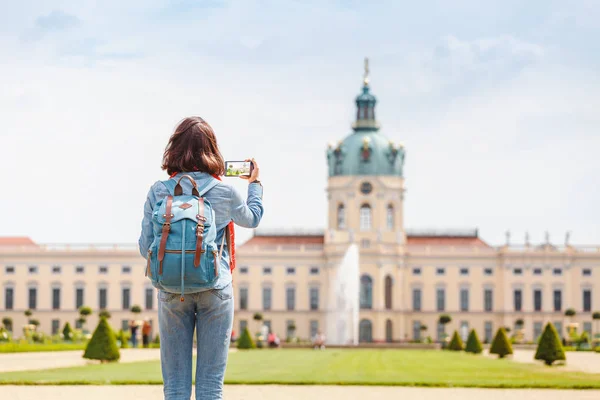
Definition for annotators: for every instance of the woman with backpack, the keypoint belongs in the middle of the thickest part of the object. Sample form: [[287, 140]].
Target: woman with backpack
[[188, 239]]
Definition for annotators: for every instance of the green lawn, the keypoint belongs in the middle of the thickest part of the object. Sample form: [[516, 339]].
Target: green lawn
[[15, 347], [333, 367]]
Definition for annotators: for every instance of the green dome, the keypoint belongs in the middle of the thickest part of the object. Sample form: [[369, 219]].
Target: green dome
[[365, 151]]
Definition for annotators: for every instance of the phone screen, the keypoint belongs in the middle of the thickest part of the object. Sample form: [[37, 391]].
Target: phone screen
[[238, 168]]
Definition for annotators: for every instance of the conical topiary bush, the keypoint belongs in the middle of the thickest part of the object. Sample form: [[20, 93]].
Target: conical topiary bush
[[67, 333], [473, 344], [456, 343], [245, 341], [550, 349], [103, 344], [501, 345]]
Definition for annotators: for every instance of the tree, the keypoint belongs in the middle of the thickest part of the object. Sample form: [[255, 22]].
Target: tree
[[122, 337], [456, 344], [67, 332], [501, 345], [444, 320], [136, 309], [258, 317], [550, 349], [473, 344], [245, 341], [103, 344], [84, 312], [520, 323], [7, 322], [583, 341], [34, 322], [423, 328], [28, 313], [596, 317], [104, 314], [570, 312]]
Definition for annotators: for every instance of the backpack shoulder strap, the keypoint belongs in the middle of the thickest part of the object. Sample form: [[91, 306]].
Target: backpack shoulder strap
[[209, 185], [170, 185]]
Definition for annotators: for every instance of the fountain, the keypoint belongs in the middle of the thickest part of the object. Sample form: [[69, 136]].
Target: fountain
[[342, 316]]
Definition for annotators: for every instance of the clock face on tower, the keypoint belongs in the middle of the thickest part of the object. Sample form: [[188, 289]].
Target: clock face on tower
[[366, 187]]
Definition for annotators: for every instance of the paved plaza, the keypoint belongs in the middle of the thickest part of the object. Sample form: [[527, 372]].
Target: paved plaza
[[276, 392]]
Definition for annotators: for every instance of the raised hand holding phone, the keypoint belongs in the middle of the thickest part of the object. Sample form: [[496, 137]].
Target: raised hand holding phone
[[254, 171]]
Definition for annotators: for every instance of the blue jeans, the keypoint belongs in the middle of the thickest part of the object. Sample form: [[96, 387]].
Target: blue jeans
[[211, 314]]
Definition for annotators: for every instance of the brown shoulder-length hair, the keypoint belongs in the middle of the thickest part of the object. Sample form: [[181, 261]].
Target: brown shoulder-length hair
[[193, 147]]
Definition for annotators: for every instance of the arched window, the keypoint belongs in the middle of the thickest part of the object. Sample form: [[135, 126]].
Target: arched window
[[388, 292], [389, 216], [365, 217], [366, 292], [365, 331], [341, 217], [389, 337]]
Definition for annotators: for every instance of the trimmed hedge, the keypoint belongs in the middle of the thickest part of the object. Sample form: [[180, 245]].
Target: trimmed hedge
[[103, 344], [550, 348], [473, 344], [245, 341], [501, 345], [456, 343]]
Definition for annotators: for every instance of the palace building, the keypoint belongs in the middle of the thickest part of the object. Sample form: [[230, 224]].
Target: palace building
[[407, 278]]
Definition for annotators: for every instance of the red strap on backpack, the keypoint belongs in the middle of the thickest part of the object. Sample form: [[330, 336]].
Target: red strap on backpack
[[230, 230]]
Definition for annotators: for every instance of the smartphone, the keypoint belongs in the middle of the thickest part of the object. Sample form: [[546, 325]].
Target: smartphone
[[238, 168]]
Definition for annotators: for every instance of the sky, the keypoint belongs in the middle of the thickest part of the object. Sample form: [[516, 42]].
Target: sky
[[496, 103]]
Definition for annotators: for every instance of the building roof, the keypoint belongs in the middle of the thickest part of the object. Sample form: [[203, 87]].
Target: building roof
[[444, 241], [16, 241]]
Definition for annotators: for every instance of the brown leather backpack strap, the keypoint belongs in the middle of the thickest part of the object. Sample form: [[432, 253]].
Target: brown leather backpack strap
[[199, 231], [166, 228]]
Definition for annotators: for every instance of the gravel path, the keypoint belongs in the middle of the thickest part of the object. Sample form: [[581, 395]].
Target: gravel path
[[292, 393], [59, 359]]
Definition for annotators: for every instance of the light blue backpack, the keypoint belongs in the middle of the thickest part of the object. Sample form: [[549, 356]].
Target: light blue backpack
[[183, 257]]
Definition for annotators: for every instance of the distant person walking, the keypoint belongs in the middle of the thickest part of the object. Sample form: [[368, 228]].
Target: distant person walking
[[146, 331], [133, 328], [194, 163], [319, 341]]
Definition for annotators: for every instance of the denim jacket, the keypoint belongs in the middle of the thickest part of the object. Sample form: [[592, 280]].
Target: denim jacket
[[227, 203]]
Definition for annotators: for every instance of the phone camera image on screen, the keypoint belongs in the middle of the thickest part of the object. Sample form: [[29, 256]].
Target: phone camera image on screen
[[238, 168]]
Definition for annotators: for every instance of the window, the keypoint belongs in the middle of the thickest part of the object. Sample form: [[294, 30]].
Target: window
[[56, 298], [441, 299], [55, 326], [243, 298], [587, 272], [314, 298], [9, 269], [464, 271], [243, 326], [125, 325], [587, 300], [416, 299], [56, 269], [9, 298], [388, 292], [537, 300], [365, 331], [103, 269], [488, 331], [267, 323], [32, 298], [537, 330], [78, 298], [416, 331], [537, 271], [290, 298], [243, 270], [518, 271], [33, 269], [266, 298], [290, 328], [314, 270], [314, 328], [291, 271], [518, 299], [366, 187], [126, 269], [488, 272], [102, 297], [79, 325], [79, 269], [557, 271], [365, 217], [440, 271], [341, 217], [464, 299], [557, 300], [125, 298], [149, 292], [366, 292], [389, 331], [488, 300], [464, 330], [440, 333], [390, 217], [559, 327], [267, 271], [416, 271], [587, 327]]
